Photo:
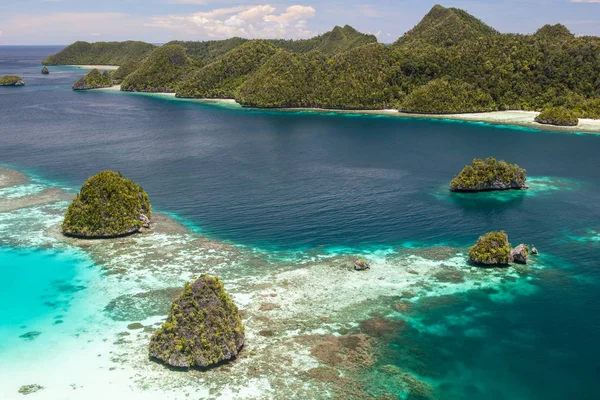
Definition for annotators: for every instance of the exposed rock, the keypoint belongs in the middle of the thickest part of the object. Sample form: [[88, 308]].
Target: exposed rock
[[45, 70], [203, 328], [520, 254], [28, 389], [492, 248], [489, 174], [11, 80], [361, 264], [107, 206], [534, 251]]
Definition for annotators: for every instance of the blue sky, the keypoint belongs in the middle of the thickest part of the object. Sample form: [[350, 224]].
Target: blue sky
[[65, 21]]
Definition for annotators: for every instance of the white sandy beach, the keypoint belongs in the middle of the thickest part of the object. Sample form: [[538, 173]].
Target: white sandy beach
[[102, 67]]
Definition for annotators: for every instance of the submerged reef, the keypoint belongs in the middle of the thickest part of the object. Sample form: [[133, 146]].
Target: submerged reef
[[94, 80], [108, 205], [489, 174], [492, 248], [203, 329], [11, 80]]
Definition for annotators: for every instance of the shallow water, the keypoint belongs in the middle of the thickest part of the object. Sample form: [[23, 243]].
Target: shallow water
[[297, 194]]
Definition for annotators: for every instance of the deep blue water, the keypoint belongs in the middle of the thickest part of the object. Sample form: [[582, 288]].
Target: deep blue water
[[288, 180]]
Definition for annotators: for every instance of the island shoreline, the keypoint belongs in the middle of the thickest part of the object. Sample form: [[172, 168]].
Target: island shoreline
[[518, 118]]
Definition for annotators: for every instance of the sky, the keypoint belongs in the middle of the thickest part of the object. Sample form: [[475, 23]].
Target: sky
[[61, 22]]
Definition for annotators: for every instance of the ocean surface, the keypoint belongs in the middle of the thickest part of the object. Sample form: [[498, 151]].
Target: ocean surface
[[292, 184]]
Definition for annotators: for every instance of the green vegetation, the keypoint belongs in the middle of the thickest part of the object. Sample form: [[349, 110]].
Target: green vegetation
[[492, 248], [100, 53], [489, 174], [337, 41], [108, 205], [124, 71], [357, 79], [206, 52], [162, 71], [11, 80], [440, 97], [94, 80], [450, 62], [203, 327], [557, 116], [222, 78], [446, 27]]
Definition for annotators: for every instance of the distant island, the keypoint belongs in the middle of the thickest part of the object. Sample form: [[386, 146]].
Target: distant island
[[489, 174], [449, 63], [11, 80]]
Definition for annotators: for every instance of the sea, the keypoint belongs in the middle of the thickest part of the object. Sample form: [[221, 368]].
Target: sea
[[279, 203]]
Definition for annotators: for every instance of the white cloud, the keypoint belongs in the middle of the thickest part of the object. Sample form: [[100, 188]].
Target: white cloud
[[259, 21]]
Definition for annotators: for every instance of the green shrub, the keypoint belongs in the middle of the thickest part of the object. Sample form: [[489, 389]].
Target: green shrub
[[559, 116], [108, 205], [492, 248], [489, 174]]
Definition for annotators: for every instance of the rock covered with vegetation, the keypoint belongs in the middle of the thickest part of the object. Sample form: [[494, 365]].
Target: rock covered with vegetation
[[94, 80], [558, 116], [203, 327], [443, 97], [11, 80], [492, 248], [45, 70], [100, 53], [108, 205], [489, 174]]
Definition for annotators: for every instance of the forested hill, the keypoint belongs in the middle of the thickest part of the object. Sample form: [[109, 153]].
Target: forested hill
[[449, 62], [100, 53]]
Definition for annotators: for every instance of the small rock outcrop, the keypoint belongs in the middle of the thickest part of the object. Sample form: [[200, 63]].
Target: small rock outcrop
[[28, 389], [492, 248], [558, 116], [489, 174], [107, 206], [534, 251], [203, 329], [520, 254], [94, 80], [45, 70], [11, 80], [361, 264]]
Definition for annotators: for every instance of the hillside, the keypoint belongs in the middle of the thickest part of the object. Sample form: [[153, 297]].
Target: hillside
[[336, 41], [445, 27], [162, 71], [222, 78], [450, 62], [100, 53], [208, 51]]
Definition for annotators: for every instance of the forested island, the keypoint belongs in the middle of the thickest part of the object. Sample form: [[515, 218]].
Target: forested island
[[451, 62]]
